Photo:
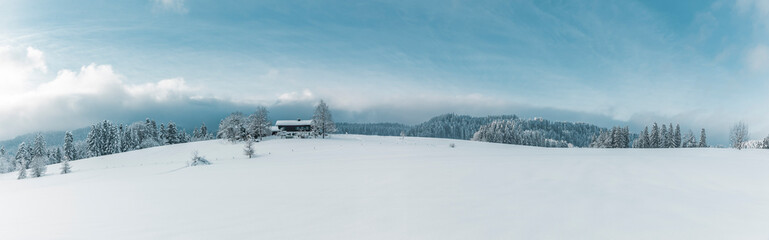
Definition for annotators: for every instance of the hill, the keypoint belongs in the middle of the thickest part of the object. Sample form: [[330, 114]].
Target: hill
[[368, 187]]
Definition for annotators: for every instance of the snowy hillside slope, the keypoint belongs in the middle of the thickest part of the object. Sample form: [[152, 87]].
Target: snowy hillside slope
[[368, 187]]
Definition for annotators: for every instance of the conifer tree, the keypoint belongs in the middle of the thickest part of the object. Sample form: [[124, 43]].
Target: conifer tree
[[655, 136], [703, 139], [248, 150], [677, 137], [22, 170], [65, 168], [645, 141], [69, 146]]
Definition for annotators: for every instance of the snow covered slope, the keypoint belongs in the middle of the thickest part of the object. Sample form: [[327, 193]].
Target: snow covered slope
[[366, 187]]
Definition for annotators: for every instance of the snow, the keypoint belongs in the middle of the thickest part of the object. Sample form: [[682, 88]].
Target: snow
[[367, 187], [280, 123]]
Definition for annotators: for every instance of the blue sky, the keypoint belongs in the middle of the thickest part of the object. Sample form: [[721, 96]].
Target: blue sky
[[701, 63]]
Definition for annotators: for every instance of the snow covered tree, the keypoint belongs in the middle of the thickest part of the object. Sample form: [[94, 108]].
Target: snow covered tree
[[703, 139], [69, 146], [65, 167], [258, 124], [688, 140], [669, 137], [56, 155], [198, 160], [738, 135], [172, 134], [38, 148], [248, 150], [22, 170], [677, 137], [37, 167], [6, 164], [103, 139], [23, 156], [664, 136], [765, 143], [322, 124], [162, 135], [644, 139], [204, 131], [655, 136], [233, 127]]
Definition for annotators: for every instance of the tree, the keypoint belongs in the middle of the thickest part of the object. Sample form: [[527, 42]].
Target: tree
[[644, 140], [65, 168], [38, 168], [172, 134], [6, 164], [677, 137], [204, 131], [258, 124], [69, 146], [248, 150], [233, 128], [322, 124], [655, 137], [22, 170], [738, 135], [703, 139], [765, 143], [198, 160], [38, 148], [688, 140], [664, 136], [23, 156]]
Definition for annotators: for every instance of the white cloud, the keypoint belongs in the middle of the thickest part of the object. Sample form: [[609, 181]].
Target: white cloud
[[176, 6], [18, 66], [74, 98]]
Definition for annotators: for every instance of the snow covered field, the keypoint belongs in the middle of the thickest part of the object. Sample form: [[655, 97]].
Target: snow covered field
[[366, 187]]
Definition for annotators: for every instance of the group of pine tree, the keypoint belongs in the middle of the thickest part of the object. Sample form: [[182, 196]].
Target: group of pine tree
[[659, 137], [104, 138]]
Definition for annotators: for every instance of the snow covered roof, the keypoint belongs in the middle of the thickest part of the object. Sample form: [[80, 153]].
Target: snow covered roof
[[274, 128], [297, 122]]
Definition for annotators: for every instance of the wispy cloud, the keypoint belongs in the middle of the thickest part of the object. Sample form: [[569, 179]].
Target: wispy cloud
[[175, 6]]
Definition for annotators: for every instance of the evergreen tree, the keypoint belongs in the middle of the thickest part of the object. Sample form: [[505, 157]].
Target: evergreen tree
[[38, 168], [172, 134], [23, 156], [65, 168], [204, 130], [69, 146], [688, 140], [764, 144], [322, 123], [677, 137], [669, 137], [248, 150], [39, 149], [703, 139], [664, 136], [645, 141], [22, 170], [163, 134], [655, 136], [56, 156]]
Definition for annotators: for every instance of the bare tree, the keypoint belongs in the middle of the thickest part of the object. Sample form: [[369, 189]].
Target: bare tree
[[739, 135], [322, 124]]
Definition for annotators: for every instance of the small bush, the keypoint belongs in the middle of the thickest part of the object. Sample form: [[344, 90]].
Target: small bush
[[451, 145], [198, 160]]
